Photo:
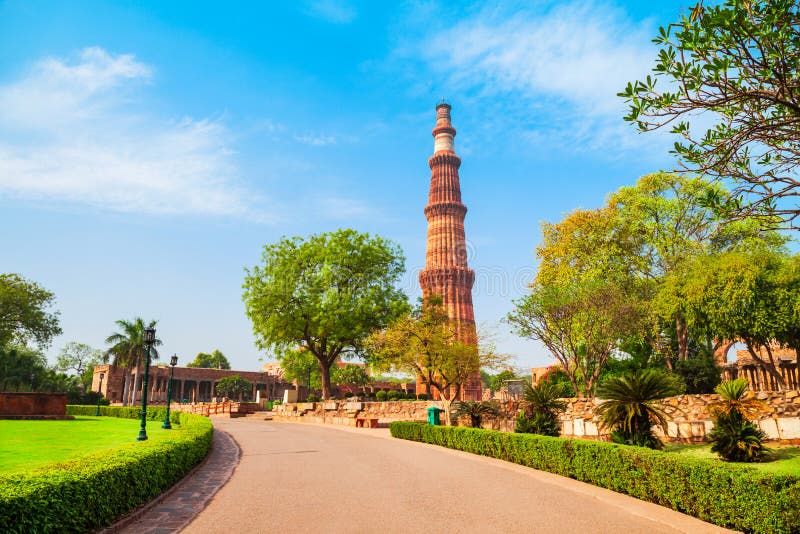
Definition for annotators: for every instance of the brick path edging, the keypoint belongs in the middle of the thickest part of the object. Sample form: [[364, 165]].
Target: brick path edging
[[174, 509]]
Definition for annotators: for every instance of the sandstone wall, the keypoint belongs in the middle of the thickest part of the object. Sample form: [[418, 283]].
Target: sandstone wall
[[688, 417], [20, 405]]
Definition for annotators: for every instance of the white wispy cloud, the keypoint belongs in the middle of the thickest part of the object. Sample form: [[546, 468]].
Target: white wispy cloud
[[559, 65], [335, 11], [316, 140], [73, 130]]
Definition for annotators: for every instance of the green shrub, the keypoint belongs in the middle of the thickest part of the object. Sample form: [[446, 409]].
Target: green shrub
[[537, 423], [90, 492], [394, 395], [312, 398], [422, 396], [380, 396], [732, 496], [734, 437]]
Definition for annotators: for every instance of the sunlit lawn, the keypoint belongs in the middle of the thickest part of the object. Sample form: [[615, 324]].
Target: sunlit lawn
[[26, 445], [784, 460]]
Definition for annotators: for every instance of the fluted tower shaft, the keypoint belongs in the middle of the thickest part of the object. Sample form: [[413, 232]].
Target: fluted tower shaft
[[447, 274]]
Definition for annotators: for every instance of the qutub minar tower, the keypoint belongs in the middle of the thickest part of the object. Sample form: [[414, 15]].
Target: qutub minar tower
[[446, 272]]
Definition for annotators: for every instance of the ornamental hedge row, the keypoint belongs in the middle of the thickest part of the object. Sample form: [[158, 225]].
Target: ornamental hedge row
[[728, 495], [87, 493]]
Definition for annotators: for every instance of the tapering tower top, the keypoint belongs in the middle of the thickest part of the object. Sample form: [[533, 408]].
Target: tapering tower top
[[443, 132]]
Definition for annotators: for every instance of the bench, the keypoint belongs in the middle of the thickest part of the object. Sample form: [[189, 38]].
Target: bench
[[366, 422]]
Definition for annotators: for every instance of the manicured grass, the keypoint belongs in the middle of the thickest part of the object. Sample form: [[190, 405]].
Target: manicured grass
[[27, 445], [784, 460]]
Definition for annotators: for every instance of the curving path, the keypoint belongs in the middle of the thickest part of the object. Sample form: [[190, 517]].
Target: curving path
[[315, 478]]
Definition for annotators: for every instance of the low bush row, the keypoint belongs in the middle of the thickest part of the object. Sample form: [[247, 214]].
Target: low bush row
[[154, 413], [87, 493], [728, 495]]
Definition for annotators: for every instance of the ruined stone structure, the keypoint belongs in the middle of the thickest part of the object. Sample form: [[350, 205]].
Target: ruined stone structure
[[446, 272], [757, 377], [190, 384]]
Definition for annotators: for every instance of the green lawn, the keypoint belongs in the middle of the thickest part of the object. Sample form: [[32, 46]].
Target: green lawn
[[784, 460], [26, 445]]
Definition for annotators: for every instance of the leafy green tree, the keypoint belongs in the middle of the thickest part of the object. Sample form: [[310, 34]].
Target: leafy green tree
[[301, 366], [579, 323], [700, 373], [128, 349], [349, 374], [21, 368], [737, 62], [215, 360], [234, 386], [326, 293], [476, 411], [79, 358], [24, 314], [734, 437], [750, 295], [498, 381], [630, 407], [427, 343]]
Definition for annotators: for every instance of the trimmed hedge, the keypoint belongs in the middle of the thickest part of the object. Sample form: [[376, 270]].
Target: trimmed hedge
[[87, 493], [154, 413], [728, 495]]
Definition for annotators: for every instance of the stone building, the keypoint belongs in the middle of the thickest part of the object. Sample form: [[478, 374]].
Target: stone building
[[446, 272], [190, 384], [759, 379]]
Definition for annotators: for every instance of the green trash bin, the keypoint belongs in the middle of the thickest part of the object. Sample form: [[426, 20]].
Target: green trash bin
[[434, 416], [269, 405]]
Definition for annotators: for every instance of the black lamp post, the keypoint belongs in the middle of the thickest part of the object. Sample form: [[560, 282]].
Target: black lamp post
[[172, 363], [149, 339], [100, 396]]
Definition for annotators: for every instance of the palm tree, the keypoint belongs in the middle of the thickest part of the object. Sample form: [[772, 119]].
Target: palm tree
[[734, 436], [629, 406], [476, 410], [129, 350], [544, 406]]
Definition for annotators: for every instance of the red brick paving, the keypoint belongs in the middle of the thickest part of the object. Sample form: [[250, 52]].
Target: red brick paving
[[181, 504]]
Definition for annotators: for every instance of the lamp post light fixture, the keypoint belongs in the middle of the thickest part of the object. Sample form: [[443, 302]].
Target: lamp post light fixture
[[172, 363], [149, 340], [100, 396]]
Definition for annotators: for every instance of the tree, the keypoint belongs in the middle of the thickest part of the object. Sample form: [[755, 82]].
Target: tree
[[734, 437], [739, 63], [498, 381], [350, 374], [427, 343], [579, 323], [215, 360], [629, 406], [233, 386], [21, 368], [326, 293], [750, 295], [128, 349], [544, 406], [302, 366], [24, 314], [476, 411], [79, 358]]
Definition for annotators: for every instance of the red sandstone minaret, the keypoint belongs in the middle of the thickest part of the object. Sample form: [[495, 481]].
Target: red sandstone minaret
[[446, 272]]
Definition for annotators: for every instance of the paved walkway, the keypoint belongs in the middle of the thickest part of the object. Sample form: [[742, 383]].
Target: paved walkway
[[313, 478], [180, 505]]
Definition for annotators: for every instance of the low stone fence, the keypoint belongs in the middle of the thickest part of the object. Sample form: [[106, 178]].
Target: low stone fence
[[348, 413], [688, 418], [229, 408]]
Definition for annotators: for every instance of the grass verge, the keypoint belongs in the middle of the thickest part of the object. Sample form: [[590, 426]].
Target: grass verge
[[87, 493]]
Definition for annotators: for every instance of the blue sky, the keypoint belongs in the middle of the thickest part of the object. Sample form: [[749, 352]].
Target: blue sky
[[148, 150]]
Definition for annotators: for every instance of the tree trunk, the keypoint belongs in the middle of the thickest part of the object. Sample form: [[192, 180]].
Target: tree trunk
[[325, 371], [682, 335], [769, 367]]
